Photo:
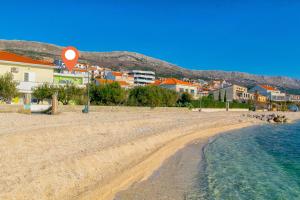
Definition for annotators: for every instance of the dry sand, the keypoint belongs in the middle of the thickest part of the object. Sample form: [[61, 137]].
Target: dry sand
[[79, 156]]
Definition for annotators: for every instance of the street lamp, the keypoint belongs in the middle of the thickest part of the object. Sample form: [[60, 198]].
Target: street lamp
[[200, 103], [87, 106]]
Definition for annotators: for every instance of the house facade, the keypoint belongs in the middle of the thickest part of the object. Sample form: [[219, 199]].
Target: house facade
[[178, 85], [120, 76], [272, 93], [260, 98], [233, 92], [27, 72], [293, 98]]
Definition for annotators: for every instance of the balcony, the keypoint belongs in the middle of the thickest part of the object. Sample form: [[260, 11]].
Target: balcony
[[26, 87]]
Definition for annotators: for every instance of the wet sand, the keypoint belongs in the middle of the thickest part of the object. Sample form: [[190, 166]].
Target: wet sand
[[173, 180]]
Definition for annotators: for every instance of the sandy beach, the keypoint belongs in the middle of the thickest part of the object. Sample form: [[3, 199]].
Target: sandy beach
[[78, 156]]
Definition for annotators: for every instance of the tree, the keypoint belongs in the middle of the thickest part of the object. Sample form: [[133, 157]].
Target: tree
[[8, 87], [107, 94], [185, 99], [70, 92], [65, 94], [43, 92]]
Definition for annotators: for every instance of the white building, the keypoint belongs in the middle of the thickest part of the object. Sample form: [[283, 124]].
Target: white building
[[233, 92], [293, 98], [119, 76], [272, 93], [142, 77], [27, 72], [178, 86]]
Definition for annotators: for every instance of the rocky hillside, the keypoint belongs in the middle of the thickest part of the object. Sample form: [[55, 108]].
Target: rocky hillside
[[128, 60]]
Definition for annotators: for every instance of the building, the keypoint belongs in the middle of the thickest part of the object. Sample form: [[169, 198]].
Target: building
[[142, 77], [202, 82], [78, 76], [178, 86], [120, 76], [259, 98], [27, 72], [203, 92], [272, 93], [233, 92], [293, 98]]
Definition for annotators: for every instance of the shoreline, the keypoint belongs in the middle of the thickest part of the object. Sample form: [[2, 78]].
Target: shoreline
[[148, 182], [154, 161]]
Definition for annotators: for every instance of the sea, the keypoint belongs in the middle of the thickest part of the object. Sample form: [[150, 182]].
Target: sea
[[254, 163], [261, 162]]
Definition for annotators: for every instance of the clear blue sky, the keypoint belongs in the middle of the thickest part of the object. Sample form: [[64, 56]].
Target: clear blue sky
[[261, 37]]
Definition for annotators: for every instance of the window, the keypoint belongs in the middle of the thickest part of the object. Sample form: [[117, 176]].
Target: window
[[26, 77], [192, 91], [29, 77], [181, 89]]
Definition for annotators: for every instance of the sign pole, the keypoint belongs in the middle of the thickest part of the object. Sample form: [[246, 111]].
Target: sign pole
[[88, 90]]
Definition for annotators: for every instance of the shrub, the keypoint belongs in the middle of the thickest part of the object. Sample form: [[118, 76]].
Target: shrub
[[107, 94], [152, 96], [209, 102]]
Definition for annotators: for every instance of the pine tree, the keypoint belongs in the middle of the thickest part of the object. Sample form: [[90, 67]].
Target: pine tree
[[220, 98]]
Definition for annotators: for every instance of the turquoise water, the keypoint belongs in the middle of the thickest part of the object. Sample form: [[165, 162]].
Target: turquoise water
[[261, 162]]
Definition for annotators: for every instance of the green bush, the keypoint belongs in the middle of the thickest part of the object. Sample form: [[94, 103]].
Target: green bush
[[152, 96], [107, 94], [209, 102]]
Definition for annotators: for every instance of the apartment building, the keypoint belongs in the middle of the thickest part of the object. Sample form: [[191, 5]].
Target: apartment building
[[293, 98], [142, 77], [233, 92]]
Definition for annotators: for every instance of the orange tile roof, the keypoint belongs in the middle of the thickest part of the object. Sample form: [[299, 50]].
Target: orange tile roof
[[7, 56], [157, 82], [107, 81], [174, 81], [117, 73], [267, 87], [92, 68], [78, 69]]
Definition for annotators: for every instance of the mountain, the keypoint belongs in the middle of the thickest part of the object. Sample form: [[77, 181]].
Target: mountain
[[122, 60]]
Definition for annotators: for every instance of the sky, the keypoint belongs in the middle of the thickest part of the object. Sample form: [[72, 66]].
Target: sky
[[258, 36]]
